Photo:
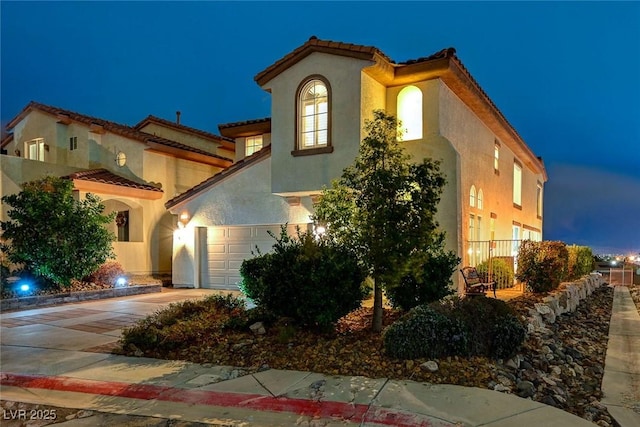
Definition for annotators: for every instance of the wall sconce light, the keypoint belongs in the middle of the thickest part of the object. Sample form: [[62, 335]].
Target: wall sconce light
[[46, 147], [184, 219]]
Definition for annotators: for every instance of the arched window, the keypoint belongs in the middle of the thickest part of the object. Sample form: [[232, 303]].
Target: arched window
[[313, 115], [480, 198], [410, 113], [472, 196]]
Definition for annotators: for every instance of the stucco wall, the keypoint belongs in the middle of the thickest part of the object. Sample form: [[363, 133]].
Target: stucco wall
[[151, 226], [475, 143], [308, 174], [245, 198]]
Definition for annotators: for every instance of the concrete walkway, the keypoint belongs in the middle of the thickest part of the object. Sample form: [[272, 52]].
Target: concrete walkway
[[621, 381], [52, 356]]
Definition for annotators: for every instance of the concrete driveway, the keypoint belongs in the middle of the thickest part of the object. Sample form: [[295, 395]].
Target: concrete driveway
[[88, 326]]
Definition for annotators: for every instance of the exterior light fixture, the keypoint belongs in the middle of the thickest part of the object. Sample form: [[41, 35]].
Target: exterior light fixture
[[121, 282], [184, 218], [24, 287]]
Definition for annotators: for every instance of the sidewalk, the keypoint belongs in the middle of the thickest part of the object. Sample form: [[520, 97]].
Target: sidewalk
[[51, 356], [199, 393], [621, 381]]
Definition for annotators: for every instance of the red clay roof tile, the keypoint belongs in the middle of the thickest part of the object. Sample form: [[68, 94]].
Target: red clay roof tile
[[107, 177]]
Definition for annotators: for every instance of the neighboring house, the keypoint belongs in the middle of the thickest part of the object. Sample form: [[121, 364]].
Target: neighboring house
[[322, 93], [134, 170]]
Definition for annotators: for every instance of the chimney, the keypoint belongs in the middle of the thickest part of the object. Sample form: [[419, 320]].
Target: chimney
[[177, 117]]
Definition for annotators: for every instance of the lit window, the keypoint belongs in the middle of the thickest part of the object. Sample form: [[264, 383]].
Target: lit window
[[517, 184], [410, 113], [313, 115], [35, 149], [253, 144], [472, 196], [479, 200], [539, 201], [496, 157], [479, 228]]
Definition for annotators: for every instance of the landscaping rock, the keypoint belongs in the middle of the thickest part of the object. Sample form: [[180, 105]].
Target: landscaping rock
[[258, 328], [430, 366], [526, 389]]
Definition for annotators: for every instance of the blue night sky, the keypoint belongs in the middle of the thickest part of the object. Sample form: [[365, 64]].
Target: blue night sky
[[566, 75]]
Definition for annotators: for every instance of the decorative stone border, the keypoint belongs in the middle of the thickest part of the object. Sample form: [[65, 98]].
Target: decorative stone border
[[76, 296], [565, 299]]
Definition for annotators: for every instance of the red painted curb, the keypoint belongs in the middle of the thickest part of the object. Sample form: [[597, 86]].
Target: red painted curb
[[325, 409]]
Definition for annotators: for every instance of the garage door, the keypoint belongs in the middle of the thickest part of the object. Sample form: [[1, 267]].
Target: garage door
[[222, 250]]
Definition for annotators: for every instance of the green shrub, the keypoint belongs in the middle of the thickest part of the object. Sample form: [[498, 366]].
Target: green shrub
[[542, 265], [53, 235], [580, 261], [428, 279], [476, 326], [313, 281], [424, 332], [493, 327], [502, 272], [106, 274]]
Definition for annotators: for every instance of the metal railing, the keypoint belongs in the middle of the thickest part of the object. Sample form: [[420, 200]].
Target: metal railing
[[621, 276], [485, 255]]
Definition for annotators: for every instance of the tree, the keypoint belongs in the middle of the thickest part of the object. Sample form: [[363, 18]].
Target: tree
[[53, 235], [384, 206]]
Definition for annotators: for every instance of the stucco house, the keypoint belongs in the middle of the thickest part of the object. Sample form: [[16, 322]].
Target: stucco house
[[134, 170], [321, 94]]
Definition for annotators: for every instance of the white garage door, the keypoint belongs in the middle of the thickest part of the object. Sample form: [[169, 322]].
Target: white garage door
[[224, 248]]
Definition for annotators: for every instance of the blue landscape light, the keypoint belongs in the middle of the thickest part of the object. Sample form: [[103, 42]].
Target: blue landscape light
[[24, 287]]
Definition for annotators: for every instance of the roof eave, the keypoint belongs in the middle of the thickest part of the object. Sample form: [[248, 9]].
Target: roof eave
[[156, 147]]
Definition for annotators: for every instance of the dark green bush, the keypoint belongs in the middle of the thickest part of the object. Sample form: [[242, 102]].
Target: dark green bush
[[501, 270], [428, 279], [313, 281], [476, 326], [484, 320], [542, 265], [580, 261], [424, 332]]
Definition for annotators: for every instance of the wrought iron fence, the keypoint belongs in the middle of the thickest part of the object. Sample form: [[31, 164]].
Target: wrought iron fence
[[498, 258]]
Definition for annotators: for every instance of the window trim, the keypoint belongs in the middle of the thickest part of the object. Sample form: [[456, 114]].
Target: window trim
[[517, 192], [316, 149], [40, 149]]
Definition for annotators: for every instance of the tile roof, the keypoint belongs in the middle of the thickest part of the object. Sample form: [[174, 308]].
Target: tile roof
[[116, 128], [6, 140], [239, 165], [246, 128], [244, 122], [105, 176], [316, 45], [181, 127]]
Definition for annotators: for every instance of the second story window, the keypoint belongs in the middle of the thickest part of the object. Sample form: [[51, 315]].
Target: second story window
[[472, 196], [410, 113], [496, 157], [73, 143], [313, 115], [34, 149], [539, 201], [517, 185], [252, 144]]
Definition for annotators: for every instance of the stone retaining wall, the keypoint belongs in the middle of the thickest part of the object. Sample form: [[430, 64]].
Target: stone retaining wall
[[565, 299], [44, 300]]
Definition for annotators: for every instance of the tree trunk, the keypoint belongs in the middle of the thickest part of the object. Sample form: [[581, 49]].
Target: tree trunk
[[376, 325]]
